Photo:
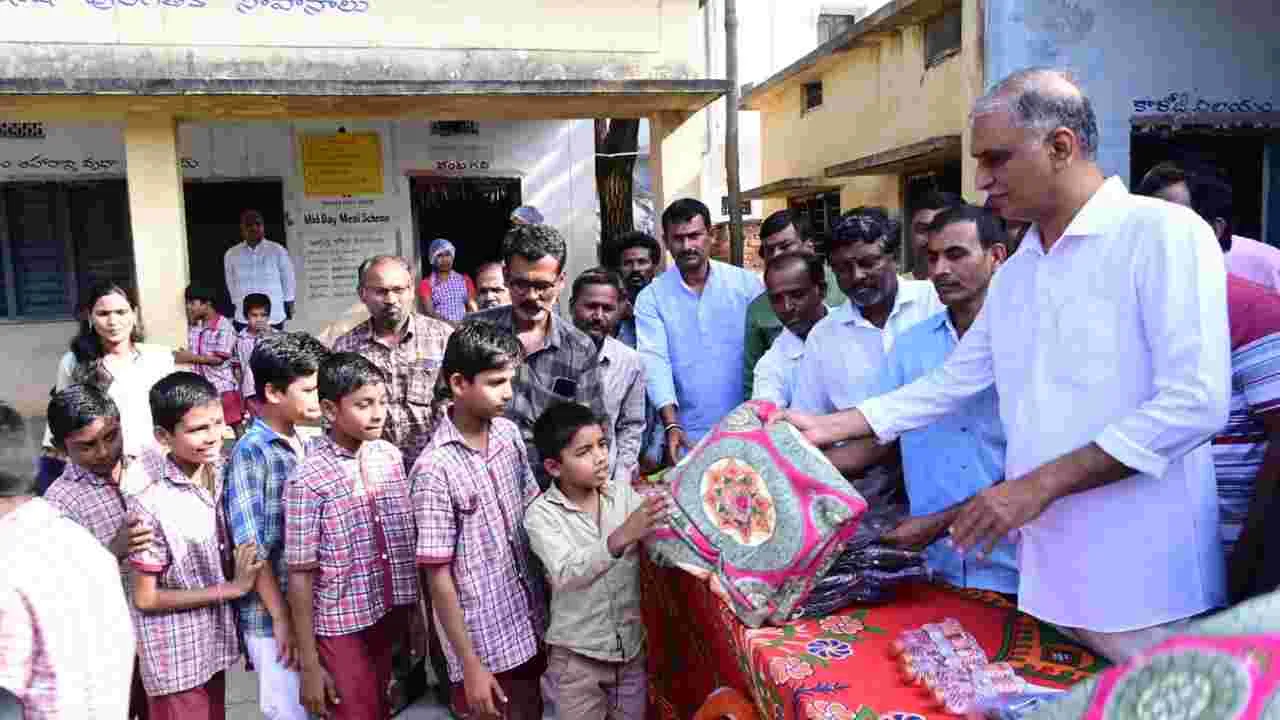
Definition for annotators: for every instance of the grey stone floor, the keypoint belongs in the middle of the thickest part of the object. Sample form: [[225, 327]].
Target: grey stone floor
[[242, 701]]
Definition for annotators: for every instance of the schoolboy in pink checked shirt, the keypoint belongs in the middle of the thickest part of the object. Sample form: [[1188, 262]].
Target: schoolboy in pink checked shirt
[[211, 340], [257, 311], [84, 422], [348, 543], [471, 487], [182, 599]]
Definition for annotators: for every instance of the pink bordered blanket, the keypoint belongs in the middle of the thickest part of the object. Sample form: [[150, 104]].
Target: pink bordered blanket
[[759, 511]]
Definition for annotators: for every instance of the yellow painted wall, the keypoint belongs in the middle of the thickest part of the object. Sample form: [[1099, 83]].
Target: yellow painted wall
[[645, 26], [875, 98]]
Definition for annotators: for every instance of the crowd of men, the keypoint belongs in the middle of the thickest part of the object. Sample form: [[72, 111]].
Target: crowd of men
[[1074, 396]]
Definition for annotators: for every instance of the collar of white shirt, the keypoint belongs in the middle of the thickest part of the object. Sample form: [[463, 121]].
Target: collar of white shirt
[[910, 292], [1095, 218]]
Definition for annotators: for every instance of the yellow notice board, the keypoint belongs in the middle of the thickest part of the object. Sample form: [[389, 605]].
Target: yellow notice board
[[342, 164]]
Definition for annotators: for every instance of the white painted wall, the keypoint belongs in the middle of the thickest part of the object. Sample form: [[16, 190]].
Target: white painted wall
[[1127, 51], [554, 160]]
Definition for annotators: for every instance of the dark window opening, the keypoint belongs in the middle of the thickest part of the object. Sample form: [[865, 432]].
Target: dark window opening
[[942, 37], [811, 94], [821, 212]]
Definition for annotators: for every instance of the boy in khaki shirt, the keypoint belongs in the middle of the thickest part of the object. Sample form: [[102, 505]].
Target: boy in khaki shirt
[[586, 531]]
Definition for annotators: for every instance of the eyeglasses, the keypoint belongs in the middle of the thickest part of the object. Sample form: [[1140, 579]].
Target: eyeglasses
[[527, 287]]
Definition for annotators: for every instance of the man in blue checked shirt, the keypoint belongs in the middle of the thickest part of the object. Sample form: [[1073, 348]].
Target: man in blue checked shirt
[[962, 454], [284, 373]]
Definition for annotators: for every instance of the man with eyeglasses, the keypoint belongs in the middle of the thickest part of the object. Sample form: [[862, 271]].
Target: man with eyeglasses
[[561, 362], [781, 232], [407, 346]]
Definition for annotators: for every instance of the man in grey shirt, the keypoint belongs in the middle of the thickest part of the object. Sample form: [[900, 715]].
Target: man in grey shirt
[[596, 301]]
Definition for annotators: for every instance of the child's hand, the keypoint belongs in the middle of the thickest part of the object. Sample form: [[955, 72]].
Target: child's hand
[[247, 567], [318, 690], [651, 513], [132, 537], [484, 695]]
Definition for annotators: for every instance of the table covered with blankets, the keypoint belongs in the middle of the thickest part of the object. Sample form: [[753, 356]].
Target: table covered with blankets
[[836, 667], [764, 531]]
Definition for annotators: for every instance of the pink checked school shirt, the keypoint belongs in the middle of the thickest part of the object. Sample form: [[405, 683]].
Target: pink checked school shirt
[[246, 341], [218, 337], [348, 517], [182, 649], [470, 510], [93, 502]]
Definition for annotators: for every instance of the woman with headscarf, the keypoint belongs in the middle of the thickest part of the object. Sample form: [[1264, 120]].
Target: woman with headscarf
[[445, 292]]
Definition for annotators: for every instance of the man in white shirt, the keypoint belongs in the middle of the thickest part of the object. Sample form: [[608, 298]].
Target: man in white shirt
[[258, 265], [1106, 338], [796, 285], [846, 349]]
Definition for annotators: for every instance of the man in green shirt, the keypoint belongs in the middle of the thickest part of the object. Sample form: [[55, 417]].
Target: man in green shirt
[[781, 232]]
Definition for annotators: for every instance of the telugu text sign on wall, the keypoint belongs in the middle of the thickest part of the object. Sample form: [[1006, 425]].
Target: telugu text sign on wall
[[330, 262], [342, 164]]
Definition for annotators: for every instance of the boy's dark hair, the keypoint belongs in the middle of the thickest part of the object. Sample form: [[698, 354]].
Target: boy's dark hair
[[75, 407], [177, 394], [684, 210], [612, 252], [555, 428], [195, 292], [534, 242], [991, 230], [597, 276], [344, 373], [282, 358], [253, 301], [865, 225], [475, 347]]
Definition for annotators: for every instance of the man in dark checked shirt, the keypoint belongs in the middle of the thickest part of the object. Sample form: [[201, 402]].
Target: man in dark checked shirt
[[561, 361]]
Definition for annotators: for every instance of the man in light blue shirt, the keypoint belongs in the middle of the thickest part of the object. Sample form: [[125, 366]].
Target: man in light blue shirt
[[690, 325], [960, 455]]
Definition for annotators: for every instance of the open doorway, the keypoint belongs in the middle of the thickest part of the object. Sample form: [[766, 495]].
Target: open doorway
[[213, 226], [1237, 156], [471, 213]]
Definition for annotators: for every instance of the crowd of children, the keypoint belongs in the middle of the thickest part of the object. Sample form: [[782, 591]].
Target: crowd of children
[[309, 557]]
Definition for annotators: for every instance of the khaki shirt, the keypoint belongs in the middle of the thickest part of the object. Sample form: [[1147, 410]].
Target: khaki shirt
[[595, 597]]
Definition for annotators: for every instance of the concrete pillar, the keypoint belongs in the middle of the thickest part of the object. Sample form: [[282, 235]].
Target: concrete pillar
[[973, 30], [675, 158], [157, 218]]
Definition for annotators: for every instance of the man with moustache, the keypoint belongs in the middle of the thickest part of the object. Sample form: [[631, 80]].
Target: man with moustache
[[1106, 337], [595, 302], [929, 206], [845, 350], [560, 363], [963, 454], [491, 286], [406, 345], [636, 257], [796, 285], [690, 322], [781, 232]]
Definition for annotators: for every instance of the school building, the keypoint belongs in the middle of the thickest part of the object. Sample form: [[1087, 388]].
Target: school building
[[133, 133]]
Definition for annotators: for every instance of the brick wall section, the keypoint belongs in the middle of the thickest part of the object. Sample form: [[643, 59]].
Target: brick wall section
[[751, 232]]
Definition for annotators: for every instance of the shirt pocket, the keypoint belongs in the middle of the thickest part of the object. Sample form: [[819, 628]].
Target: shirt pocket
[[1087, 332], [421, 382]]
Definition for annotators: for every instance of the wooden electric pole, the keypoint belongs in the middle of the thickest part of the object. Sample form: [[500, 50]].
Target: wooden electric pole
[[737, 243]]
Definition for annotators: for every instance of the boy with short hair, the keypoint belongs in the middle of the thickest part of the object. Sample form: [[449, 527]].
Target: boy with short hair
[[181, 596], [586, 531], [349, 547], [284, 367], [84, 422], [471, 486], [211, 339], [257, 313]]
